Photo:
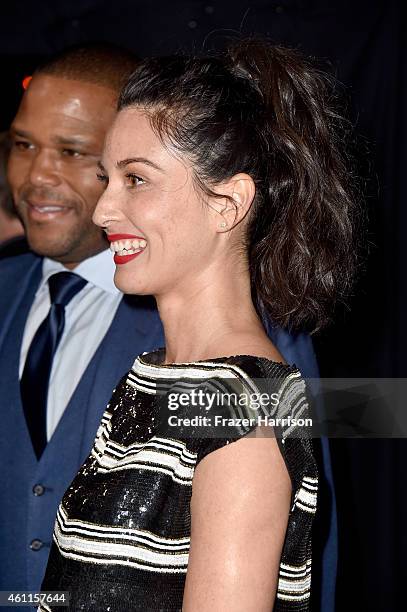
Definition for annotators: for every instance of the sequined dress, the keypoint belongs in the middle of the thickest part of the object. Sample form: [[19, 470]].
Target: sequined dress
[[122, 532]]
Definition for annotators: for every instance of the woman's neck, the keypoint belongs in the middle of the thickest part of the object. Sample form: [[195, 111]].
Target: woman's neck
[[211, 320]]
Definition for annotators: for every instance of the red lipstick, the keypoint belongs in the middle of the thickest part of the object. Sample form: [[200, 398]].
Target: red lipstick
[[122, 259], [114, 237]]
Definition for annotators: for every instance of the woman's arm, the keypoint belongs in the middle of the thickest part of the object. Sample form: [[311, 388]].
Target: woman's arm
[[240, 503]]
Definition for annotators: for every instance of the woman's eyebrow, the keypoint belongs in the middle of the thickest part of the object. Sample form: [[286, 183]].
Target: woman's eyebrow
[[141, 160]]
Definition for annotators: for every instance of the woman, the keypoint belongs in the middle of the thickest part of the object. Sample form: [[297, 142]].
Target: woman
[[226, 199]]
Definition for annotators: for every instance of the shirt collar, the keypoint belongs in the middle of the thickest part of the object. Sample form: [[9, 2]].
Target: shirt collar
[[97, 270]]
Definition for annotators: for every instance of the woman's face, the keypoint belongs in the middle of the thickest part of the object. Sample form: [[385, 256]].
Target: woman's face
[[163, 235]]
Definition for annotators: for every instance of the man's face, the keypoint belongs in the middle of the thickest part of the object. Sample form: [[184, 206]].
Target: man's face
[[57, 139]]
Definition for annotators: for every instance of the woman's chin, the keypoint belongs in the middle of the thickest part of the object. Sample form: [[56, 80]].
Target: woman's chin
[[128, 285]]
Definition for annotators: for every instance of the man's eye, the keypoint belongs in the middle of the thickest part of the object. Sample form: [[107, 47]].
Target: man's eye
[[134, 180], [71, 153], [22, 145], [102, 178]]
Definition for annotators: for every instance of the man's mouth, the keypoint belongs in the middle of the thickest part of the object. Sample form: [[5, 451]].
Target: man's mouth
[[47, 209], [126, 247]]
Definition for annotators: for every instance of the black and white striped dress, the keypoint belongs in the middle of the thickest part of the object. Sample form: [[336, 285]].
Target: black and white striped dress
[[122, 533]]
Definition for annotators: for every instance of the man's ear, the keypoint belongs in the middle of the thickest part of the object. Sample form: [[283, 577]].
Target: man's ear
[[238, 192]]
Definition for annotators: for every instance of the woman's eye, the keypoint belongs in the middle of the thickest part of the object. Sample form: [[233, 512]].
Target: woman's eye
[[134, 180], [102, 178]]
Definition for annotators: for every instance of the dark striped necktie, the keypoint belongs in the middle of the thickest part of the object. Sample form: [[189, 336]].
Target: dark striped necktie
[[37, 369]]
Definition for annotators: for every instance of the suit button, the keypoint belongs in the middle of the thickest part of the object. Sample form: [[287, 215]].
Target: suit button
[[36, 545], [38, 489]]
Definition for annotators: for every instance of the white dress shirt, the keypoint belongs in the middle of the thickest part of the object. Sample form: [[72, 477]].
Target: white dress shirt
[[87, 318]]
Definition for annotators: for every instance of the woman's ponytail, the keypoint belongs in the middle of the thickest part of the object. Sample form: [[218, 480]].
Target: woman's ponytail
[[302, 246]]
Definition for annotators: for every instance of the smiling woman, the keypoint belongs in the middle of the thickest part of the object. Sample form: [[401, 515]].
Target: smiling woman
[[221, 178]]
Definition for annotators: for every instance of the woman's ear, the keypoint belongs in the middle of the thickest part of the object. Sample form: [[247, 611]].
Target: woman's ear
[[238, 194]]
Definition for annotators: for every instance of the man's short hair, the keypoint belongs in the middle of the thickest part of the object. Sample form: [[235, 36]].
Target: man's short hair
[[103, 64]]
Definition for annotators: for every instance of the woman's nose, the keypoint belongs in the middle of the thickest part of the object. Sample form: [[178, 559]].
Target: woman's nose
[[105, 213]]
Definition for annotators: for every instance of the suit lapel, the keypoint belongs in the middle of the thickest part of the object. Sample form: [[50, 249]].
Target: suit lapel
[[136, 328], [21, 278]]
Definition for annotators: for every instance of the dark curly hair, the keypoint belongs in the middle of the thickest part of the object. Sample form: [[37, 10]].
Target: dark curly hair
[[266, 111]]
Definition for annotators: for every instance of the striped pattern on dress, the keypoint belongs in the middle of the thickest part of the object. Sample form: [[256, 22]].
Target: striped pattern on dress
[[129, 506]]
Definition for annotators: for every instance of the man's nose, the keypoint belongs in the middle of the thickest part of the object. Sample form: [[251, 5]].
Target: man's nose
[[43, 170]]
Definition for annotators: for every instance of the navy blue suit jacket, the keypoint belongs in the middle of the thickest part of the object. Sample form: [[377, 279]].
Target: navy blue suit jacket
[[26, 518]]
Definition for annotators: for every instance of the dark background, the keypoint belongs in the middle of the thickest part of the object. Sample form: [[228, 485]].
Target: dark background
[[364, 45]]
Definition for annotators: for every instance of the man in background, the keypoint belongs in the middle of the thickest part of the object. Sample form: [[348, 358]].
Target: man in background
[[66, 333]]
